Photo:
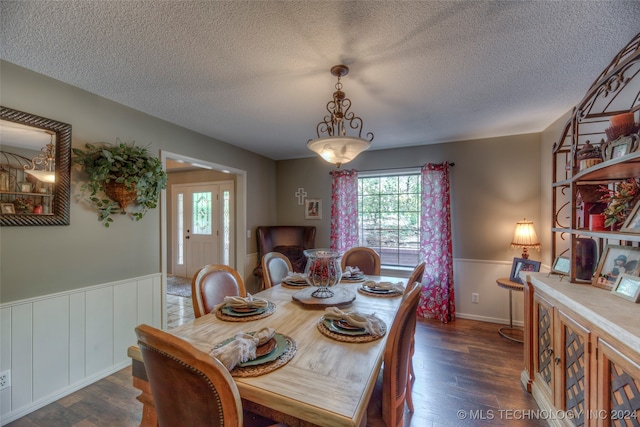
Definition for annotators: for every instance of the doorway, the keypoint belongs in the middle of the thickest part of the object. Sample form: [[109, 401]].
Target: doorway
[[202, 216], [231, 190]]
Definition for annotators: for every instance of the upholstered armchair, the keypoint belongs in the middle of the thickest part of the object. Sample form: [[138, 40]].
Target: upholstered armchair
[[289, 240]]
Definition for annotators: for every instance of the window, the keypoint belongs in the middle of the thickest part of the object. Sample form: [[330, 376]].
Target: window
[[389, 216]]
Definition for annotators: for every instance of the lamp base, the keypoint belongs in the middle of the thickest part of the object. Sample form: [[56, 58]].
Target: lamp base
[[525, 253]]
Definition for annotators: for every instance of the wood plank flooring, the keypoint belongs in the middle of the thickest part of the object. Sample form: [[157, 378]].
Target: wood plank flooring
[[461, 366]]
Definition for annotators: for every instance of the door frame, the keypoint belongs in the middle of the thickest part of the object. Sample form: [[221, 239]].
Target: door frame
[[240, 218]]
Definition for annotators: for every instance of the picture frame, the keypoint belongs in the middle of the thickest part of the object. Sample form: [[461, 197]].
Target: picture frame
[[7, 208], [619, 148], [627, 287], [313, 209], [632, 223], [616, 260], [561, 265], [522, 264]]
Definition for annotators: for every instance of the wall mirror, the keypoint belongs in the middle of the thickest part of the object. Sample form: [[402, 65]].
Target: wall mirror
[[35, 169]]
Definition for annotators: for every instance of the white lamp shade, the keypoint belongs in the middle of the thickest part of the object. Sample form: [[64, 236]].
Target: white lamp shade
[[339, 149], [525, 236]]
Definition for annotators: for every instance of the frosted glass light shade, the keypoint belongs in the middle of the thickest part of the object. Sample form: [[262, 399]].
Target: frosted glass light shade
[[339, 149], [44, 176]]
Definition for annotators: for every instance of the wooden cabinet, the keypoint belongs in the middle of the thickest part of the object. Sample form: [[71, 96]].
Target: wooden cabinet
[[576, 183], [582, 344], [584, 353]]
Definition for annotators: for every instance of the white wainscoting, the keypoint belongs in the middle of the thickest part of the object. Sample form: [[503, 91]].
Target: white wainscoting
[[57, 344]]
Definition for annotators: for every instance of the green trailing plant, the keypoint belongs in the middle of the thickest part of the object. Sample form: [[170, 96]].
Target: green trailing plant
[[126, 164]]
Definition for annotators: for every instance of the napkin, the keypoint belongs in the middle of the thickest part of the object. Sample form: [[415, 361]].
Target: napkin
[[239, 302], [370, 322], [351, 271], [387, 286], [242, 348], [295, 277]]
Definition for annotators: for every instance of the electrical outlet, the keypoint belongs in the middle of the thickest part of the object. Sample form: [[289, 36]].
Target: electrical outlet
[[5, 379], [475, 298]]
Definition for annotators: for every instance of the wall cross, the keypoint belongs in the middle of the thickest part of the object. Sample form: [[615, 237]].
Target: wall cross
[[301, 194]]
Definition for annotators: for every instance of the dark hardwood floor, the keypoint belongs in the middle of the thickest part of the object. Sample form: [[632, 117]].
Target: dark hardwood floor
[[467, 375]]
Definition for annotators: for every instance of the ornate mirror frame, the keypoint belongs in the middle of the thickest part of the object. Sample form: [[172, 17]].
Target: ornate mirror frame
[[62, 189]]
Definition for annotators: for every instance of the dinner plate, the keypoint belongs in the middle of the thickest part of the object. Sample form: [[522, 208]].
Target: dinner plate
[[231, 312], [333, 326], [378, 291], [296, 282], [282, 345], [354, 277]]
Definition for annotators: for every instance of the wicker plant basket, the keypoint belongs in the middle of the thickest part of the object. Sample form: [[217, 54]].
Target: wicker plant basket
[[117, 192]]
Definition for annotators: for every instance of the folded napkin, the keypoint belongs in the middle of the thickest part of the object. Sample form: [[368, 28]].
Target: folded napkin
[[242, 348], [351, 271], [239, 302], [372, 324], [387, 286], [295, 277]]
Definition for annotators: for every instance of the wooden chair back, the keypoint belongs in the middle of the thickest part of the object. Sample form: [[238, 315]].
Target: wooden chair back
[[189, 387], [418, 273], [275, 267], [366, 259], [416, 277], [386, 407], [211, 284]]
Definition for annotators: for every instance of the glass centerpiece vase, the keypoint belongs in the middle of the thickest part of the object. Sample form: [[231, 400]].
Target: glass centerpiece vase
[[323, 271]]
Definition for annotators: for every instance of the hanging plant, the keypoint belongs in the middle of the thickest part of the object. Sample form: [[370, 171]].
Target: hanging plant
[[620, 201], [119, 175]]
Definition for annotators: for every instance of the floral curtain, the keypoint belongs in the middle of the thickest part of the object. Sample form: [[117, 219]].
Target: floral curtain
[[344, 209], [437, 299]]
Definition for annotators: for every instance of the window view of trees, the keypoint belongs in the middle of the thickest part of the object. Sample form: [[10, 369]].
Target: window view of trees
[[389, 217]]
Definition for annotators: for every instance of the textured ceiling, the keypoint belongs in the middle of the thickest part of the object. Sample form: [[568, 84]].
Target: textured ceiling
[[256, 73]]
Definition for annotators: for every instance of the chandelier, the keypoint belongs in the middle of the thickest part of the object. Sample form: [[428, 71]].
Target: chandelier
[[46, 159], [336, 147]]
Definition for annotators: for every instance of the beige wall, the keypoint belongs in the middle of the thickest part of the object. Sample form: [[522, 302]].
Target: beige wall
[[44, 260], [495, 182]]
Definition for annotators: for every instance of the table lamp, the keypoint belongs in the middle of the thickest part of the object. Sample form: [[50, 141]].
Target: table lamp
[[525, 237]]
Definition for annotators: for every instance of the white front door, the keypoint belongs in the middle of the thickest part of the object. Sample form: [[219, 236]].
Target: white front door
[[202, 224]]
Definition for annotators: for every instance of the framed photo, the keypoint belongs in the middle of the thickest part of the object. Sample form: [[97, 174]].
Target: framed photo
[[312, 209], [616, 260], [521, 264], [7, 208], [561, 265], [627, 287], [618, 148], [632, 223]]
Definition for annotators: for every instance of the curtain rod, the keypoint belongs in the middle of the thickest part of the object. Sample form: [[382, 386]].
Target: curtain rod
[[452, 164]]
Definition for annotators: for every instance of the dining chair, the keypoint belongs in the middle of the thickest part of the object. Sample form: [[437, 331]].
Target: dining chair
[[190, 387], [366, 259], [275, 267], [416, 276], [387, 404], [211, 284]]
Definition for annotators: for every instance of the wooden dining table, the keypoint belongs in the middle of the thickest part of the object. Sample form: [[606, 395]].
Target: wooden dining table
[[326, 383]]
